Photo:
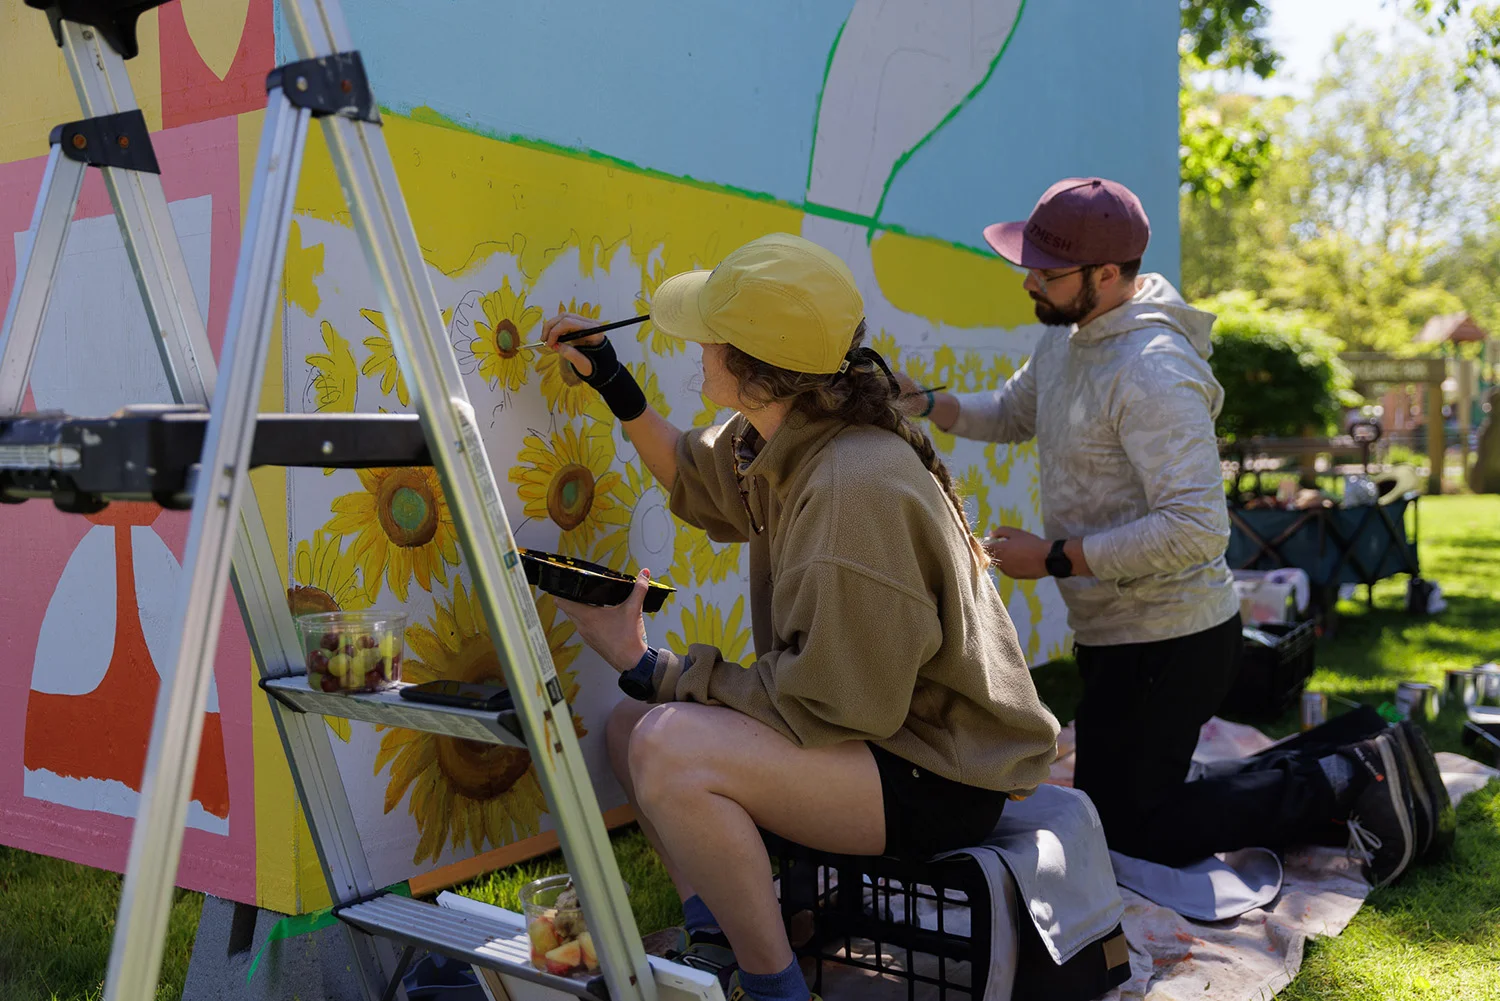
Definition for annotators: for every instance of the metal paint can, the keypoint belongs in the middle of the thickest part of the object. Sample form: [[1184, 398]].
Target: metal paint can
[[1419, 700], [1314, 710], [1461, 686], [1487, 685]]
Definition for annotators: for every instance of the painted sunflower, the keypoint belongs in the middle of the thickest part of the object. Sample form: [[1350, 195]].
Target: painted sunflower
[[402, 526], [711, 561], [603, 422], [708, 414], [651, 530], [507, 325], [382, 359], [570, 482], [884, 344], [651, 278], [337, 378], [706, 624], [562, 386], [325, 579], [465, 792]]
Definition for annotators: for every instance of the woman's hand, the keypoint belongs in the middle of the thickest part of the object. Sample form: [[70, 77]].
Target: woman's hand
[[571, 323], [616, 632]]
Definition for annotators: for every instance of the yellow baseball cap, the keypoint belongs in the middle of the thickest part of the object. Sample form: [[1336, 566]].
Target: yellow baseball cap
[[779, 298]]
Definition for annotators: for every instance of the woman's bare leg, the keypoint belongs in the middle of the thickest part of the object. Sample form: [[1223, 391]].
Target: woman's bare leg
[[623, 720], [705, 777]]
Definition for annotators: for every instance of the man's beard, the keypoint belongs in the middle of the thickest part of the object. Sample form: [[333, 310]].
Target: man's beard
[[1070, 312]]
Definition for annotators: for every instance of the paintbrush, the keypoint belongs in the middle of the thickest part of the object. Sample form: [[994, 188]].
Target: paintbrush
[[579, 334], [919, 392]]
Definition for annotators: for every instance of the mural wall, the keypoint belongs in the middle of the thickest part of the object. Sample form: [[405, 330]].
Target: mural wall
[[554, 156]]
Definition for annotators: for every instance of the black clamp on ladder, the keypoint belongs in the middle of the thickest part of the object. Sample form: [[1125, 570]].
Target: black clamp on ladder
[[114, 19], [328, 85]]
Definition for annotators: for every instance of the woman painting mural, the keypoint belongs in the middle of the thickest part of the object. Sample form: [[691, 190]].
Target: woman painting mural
[[890, 710]]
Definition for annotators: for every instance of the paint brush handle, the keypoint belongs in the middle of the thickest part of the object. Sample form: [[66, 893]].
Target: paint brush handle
[[919, 392], [580, 334]]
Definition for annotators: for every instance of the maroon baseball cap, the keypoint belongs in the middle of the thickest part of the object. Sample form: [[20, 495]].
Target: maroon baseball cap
[[1079, 220]]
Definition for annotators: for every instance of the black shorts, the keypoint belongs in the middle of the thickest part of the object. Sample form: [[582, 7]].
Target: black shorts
[[926, 814]]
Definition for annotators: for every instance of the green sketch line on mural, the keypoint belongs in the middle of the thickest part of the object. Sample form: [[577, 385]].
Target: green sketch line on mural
[[952, 112], [812, 147], [424, 115]]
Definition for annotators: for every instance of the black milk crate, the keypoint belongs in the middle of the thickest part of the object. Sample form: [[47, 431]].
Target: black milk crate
[[875, 913], [1271, 679], [913, 922]]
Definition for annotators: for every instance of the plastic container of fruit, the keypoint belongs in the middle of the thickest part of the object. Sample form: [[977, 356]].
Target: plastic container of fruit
[[352, 651], [560, 941]]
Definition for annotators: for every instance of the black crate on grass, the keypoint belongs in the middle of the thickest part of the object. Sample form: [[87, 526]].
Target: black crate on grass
[[1271, 679], [914, 922]]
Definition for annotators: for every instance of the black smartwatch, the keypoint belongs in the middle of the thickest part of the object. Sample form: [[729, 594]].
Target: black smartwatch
[[639, 681], [1058, 564]]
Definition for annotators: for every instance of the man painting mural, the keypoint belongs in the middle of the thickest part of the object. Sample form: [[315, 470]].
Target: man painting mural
[[1121, 401]]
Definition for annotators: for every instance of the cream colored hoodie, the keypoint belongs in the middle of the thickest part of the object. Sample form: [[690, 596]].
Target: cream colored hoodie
[[1123, 411]]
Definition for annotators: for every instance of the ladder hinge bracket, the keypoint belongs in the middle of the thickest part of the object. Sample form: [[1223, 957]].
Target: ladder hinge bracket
[[120, 140], [328, 85], [114, 19]]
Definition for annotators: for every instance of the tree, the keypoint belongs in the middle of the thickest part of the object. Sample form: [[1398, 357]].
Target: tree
[[1217, 156], [1480, 23], [1228, 34], [1380, 174], [1281, 376]]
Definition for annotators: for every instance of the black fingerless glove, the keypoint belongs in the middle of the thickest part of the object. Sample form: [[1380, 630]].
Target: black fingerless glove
[[613, 381]]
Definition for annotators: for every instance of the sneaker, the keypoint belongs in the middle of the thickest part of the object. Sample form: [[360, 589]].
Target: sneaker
[[734, 992], [1434, 809], [707, 951], [1380, 826]]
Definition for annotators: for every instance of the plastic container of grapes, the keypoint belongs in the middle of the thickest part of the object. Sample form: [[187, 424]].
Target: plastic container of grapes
[[352, 651], [560, 940]]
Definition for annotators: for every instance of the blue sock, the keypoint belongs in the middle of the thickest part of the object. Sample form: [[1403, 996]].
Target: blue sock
[[787, 985], [697, 917]]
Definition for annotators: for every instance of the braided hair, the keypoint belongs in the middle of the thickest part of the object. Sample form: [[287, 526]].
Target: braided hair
[[864, 393]]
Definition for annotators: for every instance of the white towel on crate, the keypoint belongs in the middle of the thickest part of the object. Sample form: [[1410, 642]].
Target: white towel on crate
[[1052, 845]]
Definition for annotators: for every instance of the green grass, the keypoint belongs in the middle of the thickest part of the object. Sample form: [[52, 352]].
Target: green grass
[[1435, 935], [56, 919]]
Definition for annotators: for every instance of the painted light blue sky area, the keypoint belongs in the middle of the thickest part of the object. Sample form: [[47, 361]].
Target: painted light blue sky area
[[719, 90], [726, 91], [1084, 88]]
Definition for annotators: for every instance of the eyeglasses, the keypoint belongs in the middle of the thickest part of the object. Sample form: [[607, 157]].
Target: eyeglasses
[[1042, 280], [742, 456]]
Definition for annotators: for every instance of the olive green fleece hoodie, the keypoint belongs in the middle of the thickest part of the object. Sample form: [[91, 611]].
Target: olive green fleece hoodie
[[871, 619]]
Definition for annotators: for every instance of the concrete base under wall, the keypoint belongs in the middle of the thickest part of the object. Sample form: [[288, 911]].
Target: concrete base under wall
[[314, 967]]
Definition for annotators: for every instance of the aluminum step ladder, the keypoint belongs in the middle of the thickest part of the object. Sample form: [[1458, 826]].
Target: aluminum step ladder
[[327, 83]]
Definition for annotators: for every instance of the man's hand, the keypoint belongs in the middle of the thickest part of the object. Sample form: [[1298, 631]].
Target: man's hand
[[1019, 555], [618, 632], [912, 400]]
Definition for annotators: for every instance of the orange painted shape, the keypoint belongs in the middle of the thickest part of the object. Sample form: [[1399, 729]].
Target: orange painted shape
[[191, 91], [104, 734], [127, 513]]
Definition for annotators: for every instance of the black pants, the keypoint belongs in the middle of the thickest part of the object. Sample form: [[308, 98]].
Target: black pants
[[1137, 726]]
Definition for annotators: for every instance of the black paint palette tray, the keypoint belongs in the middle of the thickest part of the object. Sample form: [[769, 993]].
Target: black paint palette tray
[[585, 582]]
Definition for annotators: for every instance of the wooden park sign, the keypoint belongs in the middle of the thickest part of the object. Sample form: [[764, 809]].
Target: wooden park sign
[[1371, 369]]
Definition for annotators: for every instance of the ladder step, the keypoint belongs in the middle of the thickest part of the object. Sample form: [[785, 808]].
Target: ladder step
[[469, 938], [390, 709], [152, 452]]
